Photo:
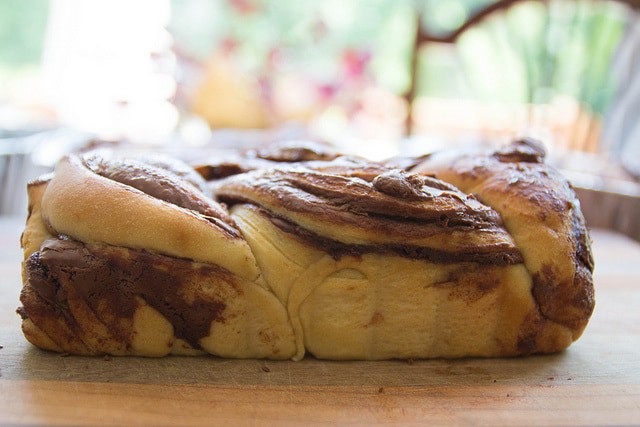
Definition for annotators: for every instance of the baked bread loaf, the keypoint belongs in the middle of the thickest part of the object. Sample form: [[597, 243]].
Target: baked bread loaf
[[303, 251]]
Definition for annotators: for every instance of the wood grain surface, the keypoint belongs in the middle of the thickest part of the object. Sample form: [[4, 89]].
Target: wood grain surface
[[596, 381]]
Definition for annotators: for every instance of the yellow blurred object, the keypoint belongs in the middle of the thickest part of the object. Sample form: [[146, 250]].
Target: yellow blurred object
[[229, 99], [295, 99]]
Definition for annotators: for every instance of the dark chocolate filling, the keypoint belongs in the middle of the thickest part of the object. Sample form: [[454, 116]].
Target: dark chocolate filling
[[493, 255], [524, 150], [409, 204], [110, 278], [296, 151]]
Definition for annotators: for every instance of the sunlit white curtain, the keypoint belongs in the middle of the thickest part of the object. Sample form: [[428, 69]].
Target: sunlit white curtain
[[107, 67]]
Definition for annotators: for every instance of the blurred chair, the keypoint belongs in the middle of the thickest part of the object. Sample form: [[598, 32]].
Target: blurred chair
[[565, 70]]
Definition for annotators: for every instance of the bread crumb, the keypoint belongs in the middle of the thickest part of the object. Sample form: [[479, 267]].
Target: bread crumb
[[266, 369], [381, 390]]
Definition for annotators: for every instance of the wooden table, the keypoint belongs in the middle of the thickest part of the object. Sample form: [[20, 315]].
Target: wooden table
[[596, 381]]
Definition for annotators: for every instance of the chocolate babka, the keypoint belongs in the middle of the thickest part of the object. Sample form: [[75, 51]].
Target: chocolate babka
[[295, 250]]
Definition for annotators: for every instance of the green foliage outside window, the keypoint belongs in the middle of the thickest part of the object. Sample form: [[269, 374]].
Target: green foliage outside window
[[535, 50]]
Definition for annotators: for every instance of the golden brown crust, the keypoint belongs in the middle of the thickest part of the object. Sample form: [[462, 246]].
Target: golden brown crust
[[35, 231], [542, 213], [82, 204], [164, 185], [148, 294], [345, 259], [395, 210]]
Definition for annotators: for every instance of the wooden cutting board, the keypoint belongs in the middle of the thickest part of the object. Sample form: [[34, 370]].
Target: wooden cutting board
[[597, 381]]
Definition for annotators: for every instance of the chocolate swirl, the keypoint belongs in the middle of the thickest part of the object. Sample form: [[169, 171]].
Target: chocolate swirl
[[394, 212], [166, 182], [266, 158], [110, 278], [539, 205], [296, 151], [525, 150]]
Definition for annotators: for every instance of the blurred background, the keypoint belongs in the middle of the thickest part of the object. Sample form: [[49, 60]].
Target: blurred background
[[375, 77]]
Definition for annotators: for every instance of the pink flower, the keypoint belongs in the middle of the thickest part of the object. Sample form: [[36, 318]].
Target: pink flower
[[327, 91], [244, 7], [228, 45], [355, 62]]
